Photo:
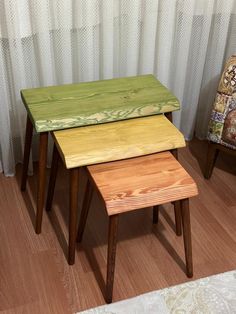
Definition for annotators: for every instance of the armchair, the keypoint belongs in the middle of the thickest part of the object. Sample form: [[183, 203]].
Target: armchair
[[222, 125]]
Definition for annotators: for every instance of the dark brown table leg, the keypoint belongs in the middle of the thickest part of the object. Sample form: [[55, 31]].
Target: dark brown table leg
[[176, 204], [28, 141], [85, 209], [155, 213], [178, 226], [74, 185], [175, 153], [111, 256], [211, 159], [169, 116], [187, 236], [53, 176], [43, 148]]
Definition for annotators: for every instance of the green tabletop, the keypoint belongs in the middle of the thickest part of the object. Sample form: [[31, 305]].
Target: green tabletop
[[66, 106]]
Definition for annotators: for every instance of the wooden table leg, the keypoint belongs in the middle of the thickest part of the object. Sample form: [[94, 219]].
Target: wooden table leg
[[74, 184], [174, 152], [178, 226], [187, 236], [28, 141], [177, 210], [111, 256], [43, 147], [168, 116], [53, 177], [85, 209], [155, 216]]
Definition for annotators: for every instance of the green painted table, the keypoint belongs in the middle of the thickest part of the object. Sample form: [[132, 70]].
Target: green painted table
[[61, 107]]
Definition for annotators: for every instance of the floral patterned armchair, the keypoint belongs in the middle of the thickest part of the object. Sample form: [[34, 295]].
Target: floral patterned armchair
[[222, 125]]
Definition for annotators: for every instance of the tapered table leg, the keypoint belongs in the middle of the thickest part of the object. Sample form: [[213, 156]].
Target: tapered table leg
[[43, 145], [174, 152], [53, 176], [74, 185], [155, 214], [111, 256], [28, 141], [85, 210], [169, 116], [187, 236], [178, 226]]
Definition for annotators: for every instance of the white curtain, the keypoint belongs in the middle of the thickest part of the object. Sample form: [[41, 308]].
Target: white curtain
[[184, 43]]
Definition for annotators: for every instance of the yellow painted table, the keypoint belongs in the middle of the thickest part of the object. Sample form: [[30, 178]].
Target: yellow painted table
[[61, 107], [117, 140], [107, 142]]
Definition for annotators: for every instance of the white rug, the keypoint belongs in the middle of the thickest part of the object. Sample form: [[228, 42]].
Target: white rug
[[210, 295]]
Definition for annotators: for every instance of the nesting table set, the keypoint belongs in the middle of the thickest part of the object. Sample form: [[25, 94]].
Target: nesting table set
[[120, 131]]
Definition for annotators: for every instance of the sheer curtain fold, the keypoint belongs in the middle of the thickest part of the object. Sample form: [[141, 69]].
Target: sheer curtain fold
[[184, 43]]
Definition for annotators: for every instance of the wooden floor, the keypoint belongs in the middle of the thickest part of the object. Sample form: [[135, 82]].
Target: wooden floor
[[34, 274]]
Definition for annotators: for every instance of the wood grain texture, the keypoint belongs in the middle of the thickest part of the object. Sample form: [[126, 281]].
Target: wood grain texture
[[35, 275], [142, 182], [67, 106], [117, 140]]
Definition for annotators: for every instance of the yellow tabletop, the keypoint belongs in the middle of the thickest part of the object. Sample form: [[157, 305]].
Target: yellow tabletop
[[95, 144]]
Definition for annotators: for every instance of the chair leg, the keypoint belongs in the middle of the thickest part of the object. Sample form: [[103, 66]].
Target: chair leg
[[211, 160], [53, 177], [111, 256], [74, 184], [177, 209], [187, 236], [28, 141], [43, 147], [155, 216], [85, 210]]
